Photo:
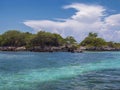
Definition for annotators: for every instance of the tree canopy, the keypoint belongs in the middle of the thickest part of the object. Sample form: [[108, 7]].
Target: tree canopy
[[70, 40], [12, 38], [42, 38], [93, 40]]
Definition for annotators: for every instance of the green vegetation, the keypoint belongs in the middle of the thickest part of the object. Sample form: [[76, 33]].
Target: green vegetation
[[16, 38], [12, 38], [70, 40], [42, 39], [113, 44], [93, 40]]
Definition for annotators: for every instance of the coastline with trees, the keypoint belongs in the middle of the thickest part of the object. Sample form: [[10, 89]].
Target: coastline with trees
[[14, 40]]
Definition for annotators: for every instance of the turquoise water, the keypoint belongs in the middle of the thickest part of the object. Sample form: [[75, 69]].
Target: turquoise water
[[59, 71]]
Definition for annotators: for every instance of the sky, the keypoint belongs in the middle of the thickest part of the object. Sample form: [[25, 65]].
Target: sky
[[66, 17]]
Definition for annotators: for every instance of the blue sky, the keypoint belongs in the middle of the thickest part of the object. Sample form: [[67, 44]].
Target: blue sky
[[30, 15]]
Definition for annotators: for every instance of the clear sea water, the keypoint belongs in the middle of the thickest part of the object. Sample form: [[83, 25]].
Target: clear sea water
[[59, 71]]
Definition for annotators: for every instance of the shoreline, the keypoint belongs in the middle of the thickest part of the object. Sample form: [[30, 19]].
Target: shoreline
[[57, 49], [39, 49]]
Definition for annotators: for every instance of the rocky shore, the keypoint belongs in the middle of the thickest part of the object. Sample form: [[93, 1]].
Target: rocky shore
[[102, 49], [9, 48], [58, 49], [40, 49]]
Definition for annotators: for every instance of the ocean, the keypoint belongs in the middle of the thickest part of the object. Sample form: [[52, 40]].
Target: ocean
[[60, 71]]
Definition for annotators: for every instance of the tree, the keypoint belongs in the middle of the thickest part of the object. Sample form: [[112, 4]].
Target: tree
[[98, 42], [70, 40], [0, 40], [43, 39], [111, 44], [93, 40], [13, 38], [27, 39], [92, 34], [58, 40]]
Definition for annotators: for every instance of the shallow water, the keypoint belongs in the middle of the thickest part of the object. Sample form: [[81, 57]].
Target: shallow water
[[59, 71]]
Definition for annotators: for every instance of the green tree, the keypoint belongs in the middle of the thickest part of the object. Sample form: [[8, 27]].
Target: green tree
[[93, 40], [43, 38], [58, 40], [12, 38], [27, 38], [70, 40], [0, 40], [92, 34]]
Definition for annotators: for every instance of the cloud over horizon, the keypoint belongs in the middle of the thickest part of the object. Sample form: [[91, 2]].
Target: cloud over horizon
[[87, 18]]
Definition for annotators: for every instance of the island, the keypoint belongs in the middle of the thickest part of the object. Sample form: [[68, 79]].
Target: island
[[14, 40]]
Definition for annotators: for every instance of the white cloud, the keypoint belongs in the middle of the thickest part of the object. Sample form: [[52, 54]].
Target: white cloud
[[86, 13], [88, 18], [111, 28]]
